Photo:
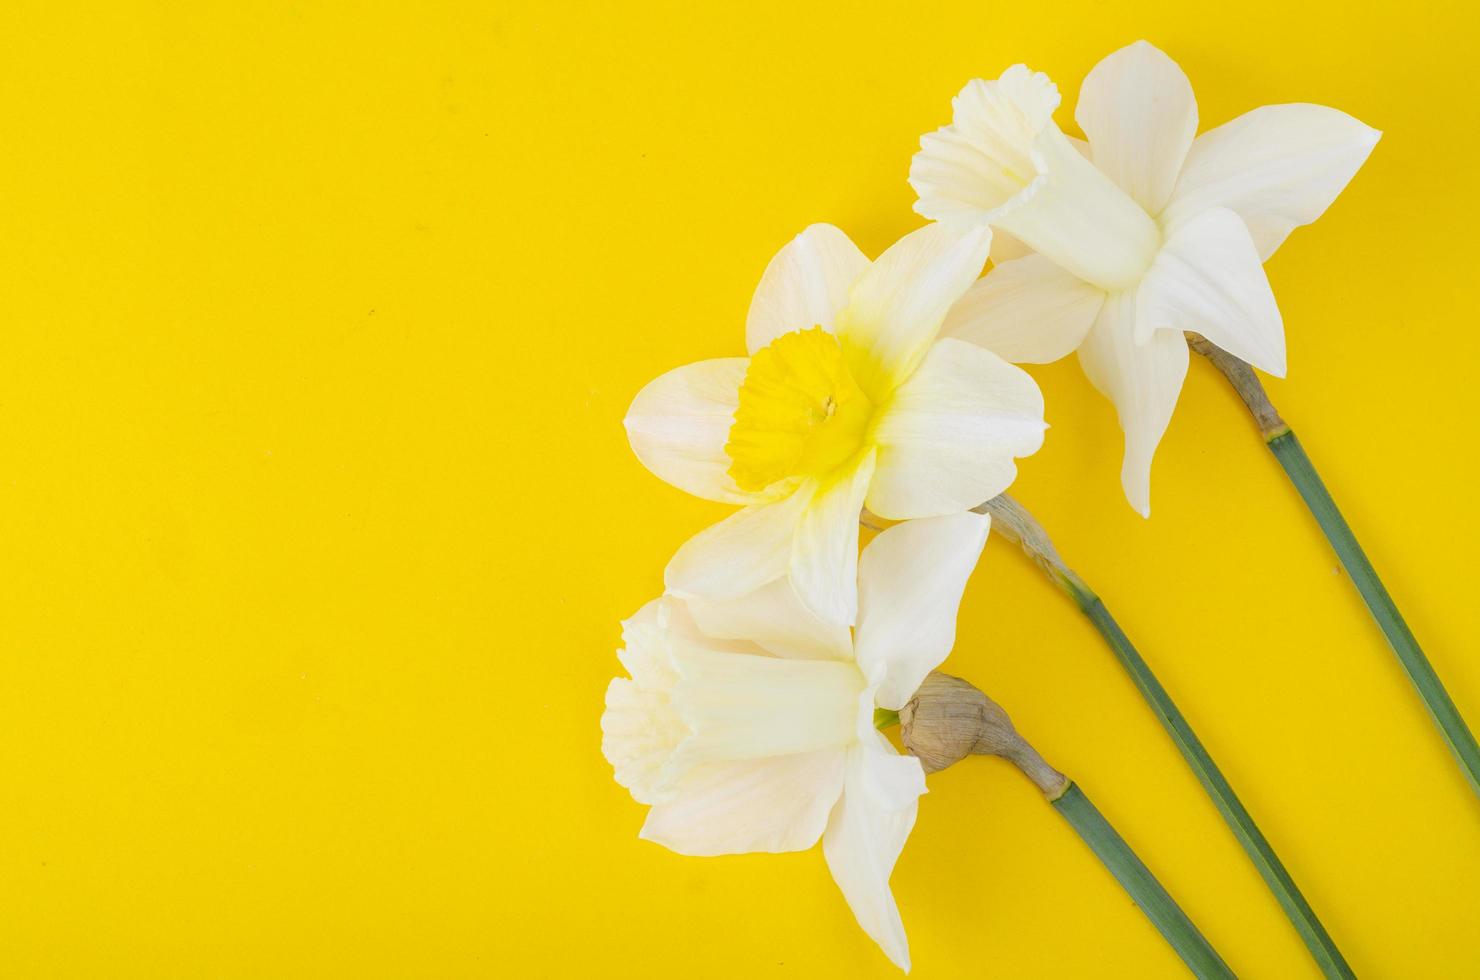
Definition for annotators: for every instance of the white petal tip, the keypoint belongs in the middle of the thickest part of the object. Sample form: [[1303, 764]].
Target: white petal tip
[[1139, 498], [667, 844], [1272, 365]]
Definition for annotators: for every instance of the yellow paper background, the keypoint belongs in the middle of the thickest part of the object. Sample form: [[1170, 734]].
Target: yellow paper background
[[317, 519]]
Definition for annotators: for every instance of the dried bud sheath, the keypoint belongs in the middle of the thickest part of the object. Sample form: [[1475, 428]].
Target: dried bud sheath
[[949, 719]]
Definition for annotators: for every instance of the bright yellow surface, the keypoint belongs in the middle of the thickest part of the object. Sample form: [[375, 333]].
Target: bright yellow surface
[[317, 519]]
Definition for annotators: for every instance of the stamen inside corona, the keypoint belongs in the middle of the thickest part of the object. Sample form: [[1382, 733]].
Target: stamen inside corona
[[800, 413]]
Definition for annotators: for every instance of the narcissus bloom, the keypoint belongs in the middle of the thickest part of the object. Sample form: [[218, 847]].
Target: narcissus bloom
[[1145, 232], [743, 741], [848, 398]]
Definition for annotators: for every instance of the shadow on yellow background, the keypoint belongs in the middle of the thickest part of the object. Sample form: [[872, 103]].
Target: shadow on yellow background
[[317, 519]]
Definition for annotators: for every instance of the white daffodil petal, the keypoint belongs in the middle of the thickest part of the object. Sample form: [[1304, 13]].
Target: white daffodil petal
[[1143, 380], [681, 631], [1003, 161], [638, 738], [824, 551], [741, 553], [1137, 108], [770, 805], [774, 617], [1208, 278], [865, 836], [1005, 248], [896, 308], [948, 438], [805, 285], [1278, 167], [693, 700], [644, 651], [1027, 311], [739, 706], [641, 729], [910, 581], [975, 167], [679, 422]]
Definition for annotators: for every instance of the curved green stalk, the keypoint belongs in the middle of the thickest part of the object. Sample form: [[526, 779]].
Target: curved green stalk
[[1010, 519], [948, 718], [1298, 468], [1291, 454], [1140, 884], [1270, 868]]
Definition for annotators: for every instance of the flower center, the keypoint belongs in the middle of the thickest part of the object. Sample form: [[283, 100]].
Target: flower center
[[800, 412]]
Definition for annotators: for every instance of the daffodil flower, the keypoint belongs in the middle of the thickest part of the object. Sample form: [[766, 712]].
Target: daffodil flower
[[848, 398], [1145, 232], [767, 743]]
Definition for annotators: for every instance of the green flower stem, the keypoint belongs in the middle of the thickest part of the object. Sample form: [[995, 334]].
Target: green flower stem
[[1010, 519], [948, 719], [1298, 468], [1140, 883]]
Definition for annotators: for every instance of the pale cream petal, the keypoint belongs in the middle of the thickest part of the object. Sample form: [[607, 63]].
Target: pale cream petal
[[1142, 380], [678, 425], [1137, 108], [639, 735], [896, 308], [1208, 278], [866, 834], [693, 700], [948, 439], [1005, 248], [739, 706], [805, 285], [644, 653], [641, 730], [1026, 311], [1003, 161], [978, 165], [824, 554], [681, 631], [910, 581], [772, 805], [774, 617], [741, 553], [1277, 167]]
